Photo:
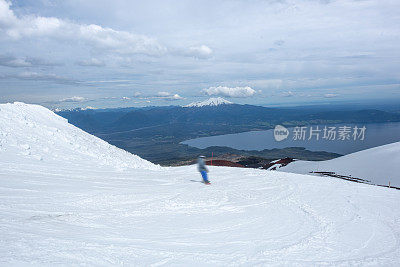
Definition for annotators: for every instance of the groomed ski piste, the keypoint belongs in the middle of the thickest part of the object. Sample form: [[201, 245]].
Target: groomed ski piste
[[69, 198]]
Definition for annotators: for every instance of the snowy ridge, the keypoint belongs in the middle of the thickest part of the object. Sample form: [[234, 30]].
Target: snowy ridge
[[214, 101], [37, 134], [378, 165]]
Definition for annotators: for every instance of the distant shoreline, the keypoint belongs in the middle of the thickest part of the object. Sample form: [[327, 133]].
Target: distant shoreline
[[376, 134]]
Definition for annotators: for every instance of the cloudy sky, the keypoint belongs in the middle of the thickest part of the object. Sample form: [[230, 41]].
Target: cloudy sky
[[133, 53]]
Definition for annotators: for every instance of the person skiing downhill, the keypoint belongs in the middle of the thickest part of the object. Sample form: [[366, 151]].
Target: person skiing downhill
[[201, 165]]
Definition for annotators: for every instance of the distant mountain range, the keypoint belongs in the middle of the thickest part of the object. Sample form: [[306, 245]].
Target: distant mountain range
[[155, 132], [215, 111]]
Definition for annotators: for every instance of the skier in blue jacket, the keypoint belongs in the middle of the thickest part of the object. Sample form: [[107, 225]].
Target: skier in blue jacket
[[201, 165]]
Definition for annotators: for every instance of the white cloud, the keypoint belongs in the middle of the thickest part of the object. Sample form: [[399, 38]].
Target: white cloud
[[119, 41], [163, 94], [202, 51], [245, 91], [20, 62], [287, 94], [34, 76], [330, 95], [122, 42], [95, 35], [14, 62], [73, 99], [359, 52], [7, 17], [169, 96], [267, 83], [91, 62]]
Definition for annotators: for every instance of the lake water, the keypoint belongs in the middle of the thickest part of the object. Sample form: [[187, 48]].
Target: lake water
[[376, 134]]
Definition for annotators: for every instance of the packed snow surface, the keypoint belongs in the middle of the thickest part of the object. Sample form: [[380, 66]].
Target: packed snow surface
[[380, 165], [214, 101], [67, 198]]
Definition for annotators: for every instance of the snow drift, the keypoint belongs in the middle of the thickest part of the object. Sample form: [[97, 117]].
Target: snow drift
[[378, 165], [68, 198]]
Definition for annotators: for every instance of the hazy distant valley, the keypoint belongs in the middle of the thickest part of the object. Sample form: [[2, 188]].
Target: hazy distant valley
[[155, 133]]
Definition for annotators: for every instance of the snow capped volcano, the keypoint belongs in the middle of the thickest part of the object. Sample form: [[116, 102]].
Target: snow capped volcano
[[69, 198], [214, 101]]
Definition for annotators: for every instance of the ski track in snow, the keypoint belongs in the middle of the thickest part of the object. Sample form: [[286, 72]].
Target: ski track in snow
[[59, 205], [246, 217]]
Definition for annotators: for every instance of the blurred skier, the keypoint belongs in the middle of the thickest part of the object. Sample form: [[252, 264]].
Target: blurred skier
[[201, 165]]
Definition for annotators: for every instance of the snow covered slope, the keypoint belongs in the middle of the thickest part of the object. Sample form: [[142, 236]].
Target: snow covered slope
[[34, 133], [65, 202], [214, 101], [378, 165]]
